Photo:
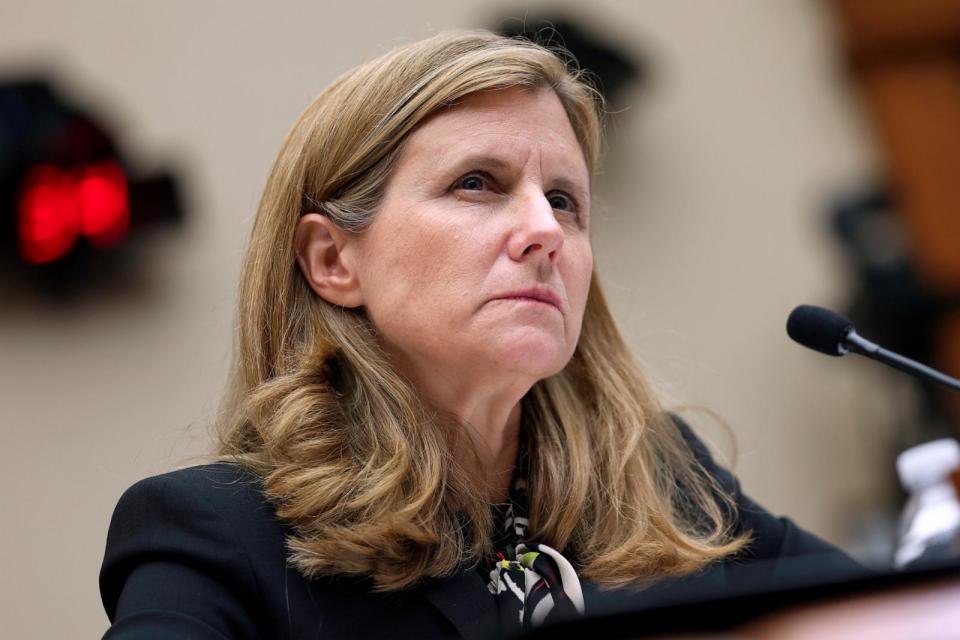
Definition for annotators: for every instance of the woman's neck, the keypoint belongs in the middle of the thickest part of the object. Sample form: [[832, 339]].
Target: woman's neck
[[493, 434], [492, 425], [488, 407], [503, 459]]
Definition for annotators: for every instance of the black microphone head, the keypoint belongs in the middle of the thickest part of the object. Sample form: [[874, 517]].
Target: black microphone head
[[819, 329]]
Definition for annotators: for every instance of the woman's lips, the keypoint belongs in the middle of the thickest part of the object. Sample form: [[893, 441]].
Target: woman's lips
[[545, 296]]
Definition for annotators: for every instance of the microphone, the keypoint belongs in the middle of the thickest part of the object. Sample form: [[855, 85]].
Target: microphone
[[830, 333]]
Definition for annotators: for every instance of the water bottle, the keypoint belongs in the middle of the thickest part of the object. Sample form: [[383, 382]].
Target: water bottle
[[930, 526]]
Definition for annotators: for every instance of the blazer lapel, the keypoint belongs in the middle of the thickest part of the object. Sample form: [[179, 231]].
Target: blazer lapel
[[466, 602]]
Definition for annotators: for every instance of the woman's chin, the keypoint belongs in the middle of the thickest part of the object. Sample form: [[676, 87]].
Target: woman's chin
[[534, 359]]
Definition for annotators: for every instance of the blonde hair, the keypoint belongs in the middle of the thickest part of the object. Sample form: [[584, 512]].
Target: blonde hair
[[363, 473]]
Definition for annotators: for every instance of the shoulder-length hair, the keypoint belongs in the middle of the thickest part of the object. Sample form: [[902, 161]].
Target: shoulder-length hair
[[361, 470]]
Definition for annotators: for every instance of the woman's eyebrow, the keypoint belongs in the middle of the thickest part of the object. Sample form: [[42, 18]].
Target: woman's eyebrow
[[483, 160]]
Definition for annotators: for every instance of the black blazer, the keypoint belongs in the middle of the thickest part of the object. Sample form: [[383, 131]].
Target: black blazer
[[199, 553]]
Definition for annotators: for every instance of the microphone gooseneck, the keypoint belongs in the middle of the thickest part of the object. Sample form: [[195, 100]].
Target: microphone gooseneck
[[830, 333]]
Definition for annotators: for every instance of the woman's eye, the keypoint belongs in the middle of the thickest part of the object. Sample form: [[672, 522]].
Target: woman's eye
[[472, 183], [562, 202]]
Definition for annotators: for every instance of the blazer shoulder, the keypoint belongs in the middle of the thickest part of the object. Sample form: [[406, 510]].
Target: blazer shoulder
[[221, 491], [773, 538], [727, 481], [212, 501], [213, 477], [201, 528], [199, 552]]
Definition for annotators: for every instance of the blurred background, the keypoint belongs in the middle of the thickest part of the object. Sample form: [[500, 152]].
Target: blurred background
[[761, 154]]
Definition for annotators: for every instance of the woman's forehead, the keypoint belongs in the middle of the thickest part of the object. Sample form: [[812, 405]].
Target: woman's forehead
[[500, 128]]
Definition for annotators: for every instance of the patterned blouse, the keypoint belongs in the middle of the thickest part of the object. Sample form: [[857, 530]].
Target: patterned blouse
[[532, 583]]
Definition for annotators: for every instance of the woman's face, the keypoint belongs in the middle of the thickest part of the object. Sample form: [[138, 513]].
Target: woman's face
[[478, 261]]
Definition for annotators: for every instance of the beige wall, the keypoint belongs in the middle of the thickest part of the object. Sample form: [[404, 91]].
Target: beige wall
[[713, 195]]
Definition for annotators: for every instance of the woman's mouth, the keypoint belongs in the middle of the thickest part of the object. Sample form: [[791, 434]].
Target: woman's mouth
[[535, 295]]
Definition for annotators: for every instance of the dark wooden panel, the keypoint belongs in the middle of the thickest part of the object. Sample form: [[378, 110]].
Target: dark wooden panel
[[916, 106]]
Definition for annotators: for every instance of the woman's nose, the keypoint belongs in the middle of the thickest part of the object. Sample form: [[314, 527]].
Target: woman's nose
[[536, 229]]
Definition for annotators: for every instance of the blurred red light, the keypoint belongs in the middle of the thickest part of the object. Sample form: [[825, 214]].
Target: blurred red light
[[56, 206], [49, 216], [104, 208]]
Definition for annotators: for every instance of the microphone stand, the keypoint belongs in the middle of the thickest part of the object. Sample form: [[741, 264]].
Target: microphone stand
[[853, 342]]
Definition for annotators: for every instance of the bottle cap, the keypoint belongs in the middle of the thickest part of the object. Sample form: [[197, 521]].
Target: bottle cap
[[928, 463]]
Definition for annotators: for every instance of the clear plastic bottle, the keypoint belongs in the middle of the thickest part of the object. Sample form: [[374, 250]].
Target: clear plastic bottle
[[930, 526]]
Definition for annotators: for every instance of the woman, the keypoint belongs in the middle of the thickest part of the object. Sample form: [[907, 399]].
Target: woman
[[435, 428]]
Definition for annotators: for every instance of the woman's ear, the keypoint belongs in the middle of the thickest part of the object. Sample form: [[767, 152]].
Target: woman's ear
[[324, 253]]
